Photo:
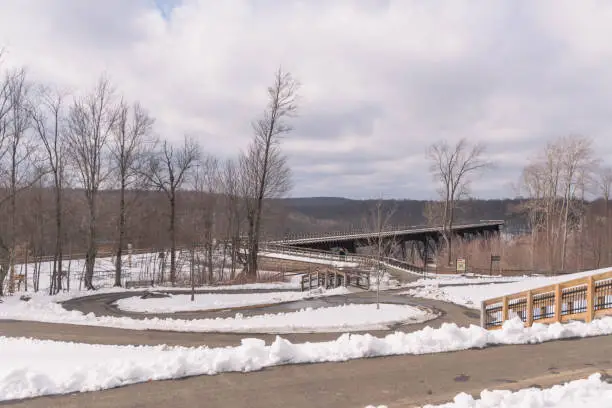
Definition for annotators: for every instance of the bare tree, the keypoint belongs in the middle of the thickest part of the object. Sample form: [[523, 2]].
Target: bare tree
[[91, 120], [433, 212], [5, 109], [576, 162], [557, 182], [604, 182], [48, 120], [20, 163], [128, 149], [206, 186], [264, 170], [167, 170], [453, 167], [378, 221], [230, 181]]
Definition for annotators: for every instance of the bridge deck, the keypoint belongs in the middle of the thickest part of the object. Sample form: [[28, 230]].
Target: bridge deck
[[386, 234]]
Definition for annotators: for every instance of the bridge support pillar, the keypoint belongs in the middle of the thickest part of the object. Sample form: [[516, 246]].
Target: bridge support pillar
[[351, 247], [403, 248]]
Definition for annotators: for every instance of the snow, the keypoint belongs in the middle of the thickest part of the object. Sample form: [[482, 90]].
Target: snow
[[331, 262], [472, 295], [589, 392], [342, 318], [215, 301], [33, 367], [463, 280], [144, 266]]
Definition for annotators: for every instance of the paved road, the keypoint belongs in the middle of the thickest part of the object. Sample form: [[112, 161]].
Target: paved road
[[400, 381], [102, 305]]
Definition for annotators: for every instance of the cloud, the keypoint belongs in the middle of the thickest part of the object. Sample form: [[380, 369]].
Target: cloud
[[381, 79]]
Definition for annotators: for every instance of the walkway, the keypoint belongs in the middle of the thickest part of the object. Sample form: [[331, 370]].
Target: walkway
[[399, 381]]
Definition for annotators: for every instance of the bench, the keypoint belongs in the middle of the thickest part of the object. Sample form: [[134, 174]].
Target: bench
[[139, 284]]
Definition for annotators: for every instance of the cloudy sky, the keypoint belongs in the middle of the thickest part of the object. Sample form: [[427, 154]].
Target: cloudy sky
[[381, 79]]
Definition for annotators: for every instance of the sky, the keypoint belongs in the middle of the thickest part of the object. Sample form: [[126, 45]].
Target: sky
[[381, 80]]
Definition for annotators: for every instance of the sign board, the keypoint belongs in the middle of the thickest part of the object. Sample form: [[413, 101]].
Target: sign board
[[461, 265], [495, 258]]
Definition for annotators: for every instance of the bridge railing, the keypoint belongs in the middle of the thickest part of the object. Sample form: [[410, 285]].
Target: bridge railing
[[584, 298], [405, 266], [333, 278], [317, 254], [363, 261], [387, 230]]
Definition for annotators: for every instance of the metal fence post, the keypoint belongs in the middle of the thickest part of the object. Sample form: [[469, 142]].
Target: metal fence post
[[558, 300]]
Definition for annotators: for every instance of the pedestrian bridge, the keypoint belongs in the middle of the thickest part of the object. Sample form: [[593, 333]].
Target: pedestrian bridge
[[349, 241]]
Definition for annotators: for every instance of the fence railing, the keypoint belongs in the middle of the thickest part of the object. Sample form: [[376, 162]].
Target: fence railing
[[584, 298], [361, 260], [387, 231], [333, 278]]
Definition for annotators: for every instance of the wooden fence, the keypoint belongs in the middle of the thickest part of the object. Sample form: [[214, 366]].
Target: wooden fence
[[584, 299]]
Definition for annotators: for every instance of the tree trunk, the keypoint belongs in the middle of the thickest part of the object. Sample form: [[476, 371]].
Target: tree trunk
[[564, 242], [450, 232], [172, 237], [607, 231], [119, 261], [252, 249], [13, 217], [59, 256], [90, 257]]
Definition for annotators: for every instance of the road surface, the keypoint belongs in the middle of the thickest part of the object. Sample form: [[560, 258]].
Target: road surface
[[399, 381]]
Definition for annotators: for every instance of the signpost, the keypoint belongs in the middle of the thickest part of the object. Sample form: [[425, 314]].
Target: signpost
[[494, 258], [461, 265]]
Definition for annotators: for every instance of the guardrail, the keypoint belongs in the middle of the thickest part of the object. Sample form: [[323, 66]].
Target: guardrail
[[584, 298], [318, 254], [361, 233], [329, 278], [361, 260]]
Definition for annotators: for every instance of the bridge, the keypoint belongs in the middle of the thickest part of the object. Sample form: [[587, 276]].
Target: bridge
[[426, 237]]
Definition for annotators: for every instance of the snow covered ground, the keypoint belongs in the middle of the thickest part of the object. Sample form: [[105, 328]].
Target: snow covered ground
[[211, 301], [471, 295], [590, 392], [323, 261], [330, 319], [144, 266], [32, 367]]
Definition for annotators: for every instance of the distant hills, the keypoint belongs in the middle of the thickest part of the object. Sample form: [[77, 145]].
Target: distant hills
[[327, 214]]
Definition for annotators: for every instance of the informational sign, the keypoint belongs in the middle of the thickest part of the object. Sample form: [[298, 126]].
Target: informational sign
[[461, 265], [495, 258]]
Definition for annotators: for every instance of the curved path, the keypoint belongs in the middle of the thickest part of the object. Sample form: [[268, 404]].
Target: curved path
[[102, 305], [399, 381]]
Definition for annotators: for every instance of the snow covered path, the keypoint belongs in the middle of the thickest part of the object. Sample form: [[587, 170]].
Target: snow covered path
[[214, 301], [34, 367], [340, 318], [589, 392]]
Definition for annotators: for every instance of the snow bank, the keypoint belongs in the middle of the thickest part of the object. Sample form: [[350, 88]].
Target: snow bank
[[464, 280], [304, 258], [211, 301], [32, 367], [472, 295], [591, 392], [326, 319]]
